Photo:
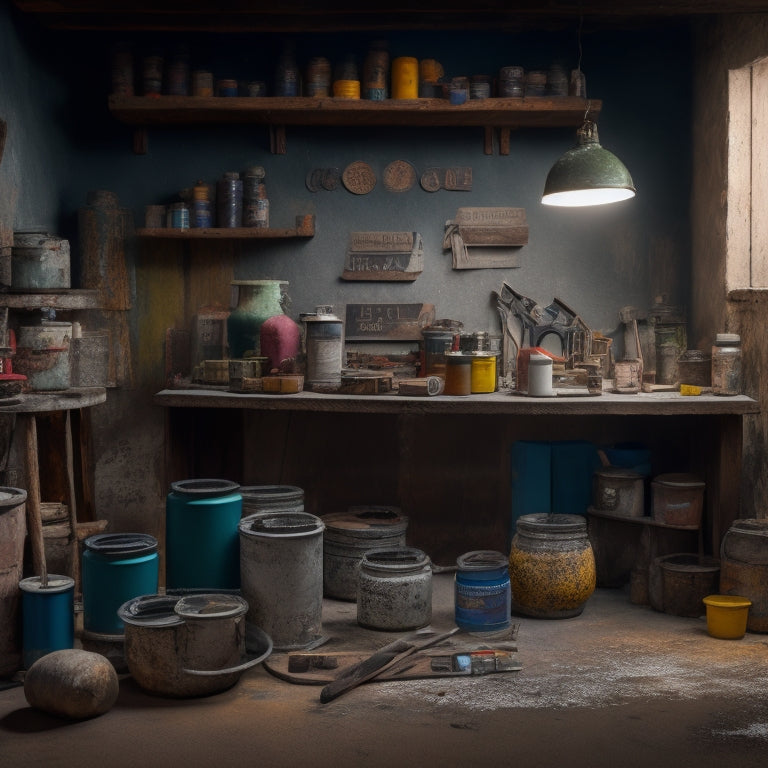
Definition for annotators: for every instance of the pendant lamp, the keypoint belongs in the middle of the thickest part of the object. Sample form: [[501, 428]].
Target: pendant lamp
[[587, 174]]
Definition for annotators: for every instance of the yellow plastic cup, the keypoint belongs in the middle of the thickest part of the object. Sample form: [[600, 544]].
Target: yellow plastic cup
[[727, 616]]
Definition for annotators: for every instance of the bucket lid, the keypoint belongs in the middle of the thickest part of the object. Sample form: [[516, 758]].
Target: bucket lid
[[395, 559], [727, 601], [150, 611], [370, 521], [543, 522], [685, 562], [55, 584], [205, 488], [118, 545], [213, 605], [281, 524], [751, 525], [679, 480], [481, 560], [10, 498], [272, 492], [620, 473]]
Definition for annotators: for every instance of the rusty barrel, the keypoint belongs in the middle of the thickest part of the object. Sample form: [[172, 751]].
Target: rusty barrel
[[744, 568]]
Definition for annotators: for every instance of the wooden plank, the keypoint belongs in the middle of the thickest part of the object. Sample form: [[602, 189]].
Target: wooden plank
[[384, 256], [492, 226], [392, 322], [563, 111]]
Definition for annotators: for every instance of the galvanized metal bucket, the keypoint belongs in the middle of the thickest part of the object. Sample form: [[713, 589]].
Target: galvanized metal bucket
[[281, 576]]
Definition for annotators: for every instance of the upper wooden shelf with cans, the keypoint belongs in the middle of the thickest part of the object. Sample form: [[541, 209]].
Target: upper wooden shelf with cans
[[277, 112]]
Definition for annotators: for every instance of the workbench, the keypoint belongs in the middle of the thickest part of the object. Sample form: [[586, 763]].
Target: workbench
[[444, 459]]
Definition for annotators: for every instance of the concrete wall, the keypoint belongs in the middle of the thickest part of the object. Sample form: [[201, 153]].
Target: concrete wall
[[597, 260], [721, 46]]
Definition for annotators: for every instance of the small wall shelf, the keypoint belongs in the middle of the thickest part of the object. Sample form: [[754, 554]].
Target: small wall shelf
[[305, 227]]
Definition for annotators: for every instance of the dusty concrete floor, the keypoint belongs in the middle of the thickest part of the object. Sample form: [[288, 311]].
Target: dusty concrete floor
[[620, 685]]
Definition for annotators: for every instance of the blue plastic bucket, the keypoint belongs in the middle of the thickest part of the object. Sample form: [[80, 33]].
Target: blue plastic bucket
[[116, 568], [48, 616], [202, 539], [482, 594]]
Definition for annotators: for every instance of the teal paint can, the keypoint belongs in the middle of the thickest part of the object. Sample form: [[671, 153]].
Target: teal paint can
[[48, 616], [202, 541], [482, 592], [116, 568]]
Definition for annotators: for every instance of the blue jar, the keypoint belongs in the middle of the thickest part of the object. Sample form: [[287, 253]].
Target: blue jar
[[483, 597], [116, 568], [202, 540], [48, 616]]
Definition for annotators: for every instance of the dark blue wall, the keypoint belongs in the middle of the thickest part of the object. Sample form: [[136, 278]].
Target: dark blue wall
[[63, 143]]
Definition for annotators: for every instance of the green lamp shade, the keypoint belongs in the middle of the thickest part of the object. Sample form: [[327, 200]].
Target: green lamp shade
[[587, 174]]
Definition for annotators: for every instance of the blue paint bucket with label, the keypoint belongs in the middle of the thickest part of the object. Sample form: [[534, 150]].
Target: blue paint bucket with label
[[483, 596], [48, 616], [116, 568]]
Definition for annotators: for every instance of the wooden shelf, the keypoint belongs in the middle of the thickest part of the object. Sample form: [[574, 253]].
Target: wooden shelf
[[536, 111], [65, 299], [278, 112], [305, 228]]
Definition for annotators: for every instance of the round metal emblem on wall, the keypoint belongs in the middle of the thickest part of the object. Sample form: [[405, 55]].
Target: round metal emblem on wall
[[359, 178], [430, 180], [399, 176]]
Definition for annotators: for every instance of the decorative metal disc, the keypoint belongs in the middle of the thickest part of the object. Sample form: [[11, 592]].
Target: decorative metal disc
[[399, 176], [359, 178], [430, 180]]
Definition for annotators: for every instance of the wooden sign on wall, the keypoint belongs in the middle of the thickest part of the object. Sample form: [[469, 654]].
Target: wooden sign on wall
[[390, 322], [384, 256]]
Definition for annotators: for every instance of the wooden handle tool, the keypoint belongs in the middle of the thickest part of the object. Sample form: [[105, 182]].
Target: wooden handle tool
[[375, 664]]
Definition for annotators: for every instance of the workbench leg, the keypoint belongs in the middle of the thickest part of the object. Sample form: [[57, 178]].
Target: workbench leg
[[34, 515], [70, 459]]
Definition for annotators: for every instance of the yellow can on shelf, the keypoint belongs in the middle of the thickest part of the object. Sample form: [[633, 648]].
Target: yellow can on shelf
[[483, 375], [405, 78]]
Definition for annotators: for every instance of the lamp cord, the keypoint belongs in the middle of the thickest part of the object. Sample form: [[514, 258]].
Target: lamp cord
[[578, 66]]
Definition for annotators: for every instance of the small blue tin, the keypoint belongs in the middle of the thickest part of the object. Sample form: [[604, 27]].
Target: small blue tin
[[483, 596], [48, 616]]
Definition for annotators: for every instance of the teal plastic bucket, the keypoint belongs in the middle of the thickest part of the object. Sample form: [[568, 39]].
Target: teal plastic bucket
[[202, 542], [116, 568], [48, 616]]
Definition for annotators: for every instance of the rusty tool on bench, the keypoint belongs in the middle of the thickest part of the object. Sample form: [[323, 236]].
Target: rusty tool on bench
[[385, 657]]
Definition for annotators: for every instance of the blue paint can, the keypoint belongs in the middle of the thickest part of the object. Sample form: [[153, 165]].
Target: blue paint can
[[48, 616], [202, 540], [483, 596], [116, 568]]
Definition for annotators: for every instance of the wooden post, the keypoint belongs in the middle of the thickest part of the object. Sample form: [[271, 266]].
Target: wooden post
[[34, 517]]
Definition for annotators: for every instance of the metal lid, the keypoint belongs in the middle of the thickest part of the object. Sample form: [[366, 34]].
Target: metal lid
[[118, 545], [395, 560], [543, 522], [726, 339], [281, 524], [481, 560], [212, 605], [367, 521], [150, 611], [539, 359], [205, 488], [55, 584], [272, 492], [10, 498], [679, 480]]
